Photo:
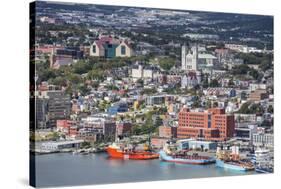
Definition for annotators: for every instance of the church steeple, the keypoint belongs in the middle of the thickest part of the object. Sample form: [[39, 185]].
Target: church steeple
[[195, 58], [183, 57]]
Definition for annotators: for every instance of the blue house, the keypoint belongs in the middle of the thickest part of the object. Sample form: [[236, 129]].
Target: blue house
[[118, 108]]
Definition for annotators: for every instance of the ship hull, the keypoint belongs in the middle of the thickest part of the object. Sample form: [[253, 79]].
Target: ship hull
[[138, 155], [167, 158], [261, 170], [222, 164]]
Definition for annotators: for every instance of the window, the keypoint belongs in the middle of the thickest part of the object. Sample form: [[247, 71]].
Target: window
[[123, 50], [94, 48]]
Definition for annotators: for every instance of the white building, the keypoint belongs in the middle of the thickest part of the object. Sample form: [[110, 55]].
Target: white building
[[143, 72], [193, 59], [191, 79], [255, 86], [261, 139], [59, 145], [189, 60]]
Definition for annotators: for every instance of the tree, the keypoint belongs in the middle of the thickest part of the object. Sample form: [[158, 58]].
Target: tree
[[60, 81], [239, 70], [231, 83], [83, 89], [255, 74], [270, 109], [140, 81], [215, 104], [74, 78], [148, 91], [81, 67], [208, 104], [266, 123], [265, 65], [167, 63], [95, 74], [205, 83], [248, 108], [214, 83], [85, 144], [196, 103]]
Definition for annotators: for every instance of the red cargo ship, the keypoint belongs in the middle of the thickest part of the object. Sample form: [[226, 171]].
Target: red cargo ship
[[115, 151]]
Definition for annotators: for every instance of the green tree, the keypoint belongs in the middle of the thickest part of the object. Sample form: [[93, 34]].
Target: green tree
[[231, 83], [270, 109], [95, 74], [265, 65], [166, 63], [214, 83], [83, 89], [239, 70], [74, 78], [81, 67], [254, 73]]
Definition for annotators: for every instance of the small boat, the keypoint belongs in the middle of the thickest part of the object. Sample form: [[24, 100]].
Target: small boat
[[187, 159], [115, 151]]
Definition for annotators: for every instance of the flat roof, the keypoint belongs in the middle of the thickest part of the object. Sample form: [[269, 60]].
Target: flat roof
[[63, 142]]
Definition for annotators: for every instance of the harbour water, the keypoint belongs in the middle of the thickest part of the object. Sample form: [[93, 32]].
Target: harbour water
[[66, 169]]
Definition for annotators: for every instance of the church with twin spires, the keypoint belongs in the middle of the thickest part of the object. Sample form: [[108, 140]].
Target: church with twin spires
[[189, 64]]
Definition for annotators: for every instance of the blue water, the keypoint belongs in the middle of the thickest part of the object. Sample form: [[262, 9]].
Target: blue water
[[65, 169]]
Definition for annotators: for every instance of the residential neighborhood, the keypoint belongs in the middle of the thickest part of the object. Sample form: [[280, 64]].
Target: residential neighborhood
[[152, 77]]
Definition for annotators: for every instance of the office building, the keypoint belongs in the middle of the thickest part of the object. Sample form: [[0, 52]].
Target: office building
[[212, 124]]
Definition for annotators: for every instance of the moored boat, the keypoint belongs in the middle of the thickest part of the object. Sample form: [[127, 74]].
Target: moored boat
[[186, 159], [115, 151], [235, 165], [231, 160]]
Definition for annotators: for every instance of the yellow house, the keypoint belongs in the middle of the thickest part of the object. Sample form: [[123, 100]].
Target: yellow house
[[136, 105], [124, 50], [96, 49]]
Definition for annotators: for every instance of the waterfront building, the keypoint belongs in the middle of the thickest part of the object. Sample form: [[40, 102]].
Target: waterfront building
[[158, 142], [167, 132], [245, 117], [52, 105], [59, 145], [196, 144], [212, 124], [109, 47], [41, 112], [58, 106], [94, 128], [263, 139], [123, 128], [245, 132], [66, 126]]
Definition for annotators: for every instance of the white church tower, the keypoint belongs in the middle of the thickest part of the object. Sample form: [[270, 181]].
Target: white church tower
[[194, 64], [183, 57], [189, 61]]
